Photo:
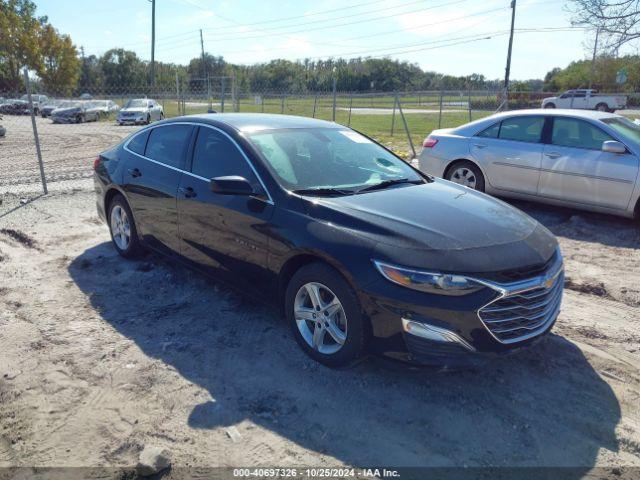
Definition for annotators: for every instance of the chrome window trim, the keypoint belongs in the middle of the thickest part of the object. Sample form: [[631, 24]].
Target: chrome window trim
[[255, 172]]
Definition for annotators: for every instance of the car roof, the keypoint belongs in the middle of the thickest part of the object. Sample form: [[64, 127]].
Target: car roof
[[251, 122], [591, 114]]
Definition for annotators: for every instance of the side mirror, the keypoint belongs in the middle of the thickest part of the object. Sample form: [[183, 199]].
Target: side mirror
[[231, 185], [611, 146]]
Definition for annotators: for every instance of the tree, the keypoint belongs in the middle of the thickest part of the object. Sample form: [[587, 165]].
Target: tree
[[122, 70], [19, 41], [618, 21], [60, 66]]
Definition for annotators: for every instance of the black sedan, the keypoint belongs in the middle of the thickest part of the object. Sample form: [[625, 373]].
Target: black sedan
[[363, 252]]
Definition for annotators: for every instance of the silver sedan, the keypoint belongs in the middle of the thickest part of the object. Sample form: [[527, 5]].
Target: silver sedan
[[579, 159]]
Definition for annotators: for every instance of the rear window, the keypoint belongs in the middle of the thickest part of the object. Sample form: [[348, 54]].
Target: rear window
[[168, 144], [139, 142], [491, 132]]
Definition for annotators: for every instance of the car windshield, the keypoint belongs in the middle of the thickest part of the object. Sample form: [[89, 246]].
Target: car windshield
[[136, 104], [314, 159], [625, 128], [69, 104]]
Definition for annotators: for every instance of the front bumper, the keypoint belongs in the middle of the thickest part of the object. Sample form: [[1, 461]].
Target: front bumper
[[131, 120], [461, 331], [65, 119]]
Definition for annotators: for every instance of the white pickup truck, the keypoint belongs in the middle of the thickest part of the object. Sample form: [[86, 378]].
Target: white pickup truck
[[586, 100]]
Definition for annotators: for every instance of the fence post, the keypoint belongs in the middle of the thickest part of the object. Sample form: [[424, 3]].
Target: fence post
[[393, 114], [406, 127], [35, 132], [178, 93], [335, 83], [315, 103], [282, 103], [222, 94], [350, 107], [440, 114], [469, 103], [262, 103]]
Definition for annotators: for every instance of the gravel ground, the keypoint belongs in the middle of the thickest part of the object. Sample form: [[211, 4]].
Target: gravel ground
[[100, 357]]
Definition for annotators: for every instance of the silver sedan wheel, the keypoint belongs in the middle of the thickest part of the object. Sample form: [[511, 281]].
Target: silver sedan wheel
[[464, 176], [120, 227], [320, 318]]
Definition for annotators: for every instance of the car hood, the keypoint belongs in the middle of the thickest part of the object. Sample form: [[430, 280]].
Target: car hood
[[133, 110], [441, 225], [66, 111], [549, 99]]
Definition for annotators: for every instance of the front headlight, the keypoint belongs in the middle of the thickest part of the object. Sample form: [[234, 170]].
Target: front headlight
[[435, 283]]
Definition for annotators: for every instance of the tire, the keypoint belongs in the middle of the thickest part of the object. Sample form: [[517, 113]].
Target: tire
[[348, 320], [81, 119], [464, 169], [550, 105], [602, 107], [132, 248], [161, 115], [148, 119]]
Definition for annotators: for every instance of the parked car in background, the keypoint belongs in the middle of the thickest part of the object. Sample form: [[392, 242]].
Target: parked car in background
[[586, 160], [50, 106], [86, 96], [586, 100], [362, 252], [37, 101], [104, 107], [140, 111], [74, 112], [15, 107]]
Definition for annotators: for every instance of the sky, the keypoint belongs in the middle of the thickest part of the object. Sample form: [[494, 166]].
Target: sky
[[456, 37]]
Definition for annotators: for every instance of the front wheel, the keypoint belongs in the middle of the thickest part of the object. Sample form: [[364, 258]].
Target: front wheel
[[466, 173], [550, 105], [123, 229], [324, 315]]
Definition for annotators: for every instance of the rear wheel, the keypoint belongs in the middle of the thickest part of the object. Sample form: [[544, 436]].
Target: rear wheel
[[602, 107], [466, 173], [123, 229], [324, 315]]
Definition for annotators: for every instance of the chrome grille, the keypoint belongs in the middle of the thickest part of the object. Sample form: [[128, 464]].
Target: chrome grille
[[519, 314]]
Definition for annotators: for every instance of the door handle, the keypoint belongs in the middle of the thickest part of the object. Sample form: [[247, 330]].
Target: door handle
[[134, 172], [552, 155], [480, 145], [188, 192]]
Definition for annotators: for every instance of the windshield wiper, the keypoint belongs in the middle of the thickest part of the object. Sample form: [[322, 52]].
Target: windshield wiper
[[323, 191], [389, 183]]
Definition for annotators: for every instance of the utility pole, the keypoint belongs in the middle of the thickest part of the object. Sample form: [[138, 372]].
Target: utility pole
[[153, 42], [204, 70], [593, 59], [508, 69]]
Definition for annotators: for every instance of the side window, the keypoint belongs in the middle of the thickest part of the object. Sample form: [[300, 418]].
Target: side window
[[139, 142], [522, 129], [168, 144], [216, 156], [491, 132], [580, 94], [570, 132]]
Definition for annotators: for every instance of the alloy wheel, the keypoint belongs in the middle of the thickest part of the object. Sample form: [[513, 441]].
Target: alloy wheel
[[120, 227], [464, 176], [320, 318]]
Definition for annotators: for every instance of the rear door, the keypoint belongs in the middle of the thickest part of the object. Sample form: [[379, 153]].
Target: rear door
[[575, 169], [151, 182], [510, 153], [225, 235]]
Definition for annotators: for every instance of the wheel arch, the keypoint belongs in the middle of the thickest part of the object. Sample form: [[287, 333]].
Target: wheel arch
[[299, 259], [458, 160]]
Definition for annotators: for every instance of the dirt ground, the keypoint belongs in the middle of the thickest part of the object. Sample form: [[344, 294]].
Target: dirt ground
[[100, 356]]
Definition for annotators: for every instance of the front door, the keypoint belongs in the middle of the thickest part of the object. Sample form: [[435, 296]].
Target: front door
[[511, 152], [151, 178], [225, 235], [575, 169]]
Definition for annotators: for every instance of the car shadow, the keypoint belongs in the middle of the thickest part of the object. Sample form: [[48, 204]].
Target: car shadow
[[582, 225], [544, 407]]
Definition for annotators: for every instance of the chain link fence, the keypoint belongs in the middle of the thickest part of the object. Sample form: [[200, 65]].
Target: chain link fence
[[72, 130]]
